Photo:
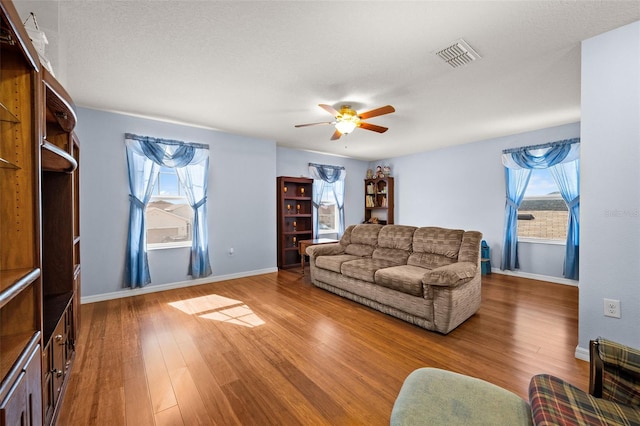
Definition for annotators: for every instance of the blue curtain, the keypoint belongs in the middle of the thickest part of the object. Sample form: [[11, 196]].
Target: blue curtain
[[516, 181], [143, 174], [567, 176], [193, 178], [562, 160], [145, 155], [328, 178]]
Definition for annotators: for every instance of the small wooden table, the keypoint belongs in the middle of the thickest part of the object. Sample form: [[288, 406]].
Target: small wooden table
[[303, 244]]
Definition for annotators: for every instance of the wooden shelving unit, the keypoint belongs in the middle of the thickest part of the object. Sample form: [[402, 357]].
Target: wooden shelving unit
[[378, 200], [295, 218], [60, 242], [20, 273], [39, 231]]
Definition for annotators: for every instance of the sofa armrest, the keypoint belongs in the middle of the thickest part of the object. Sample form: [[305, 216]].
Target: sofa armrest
[[451, 275], [325, 249]]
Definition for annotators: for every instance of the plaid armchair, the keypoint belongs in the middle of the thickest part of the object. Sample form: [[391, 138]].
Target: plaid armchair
[[614, 391]]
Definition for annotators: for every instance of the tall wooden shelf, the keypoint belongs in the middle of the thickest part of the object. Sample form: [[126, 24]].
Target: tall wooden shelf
[[60, 242], [295, 218], [378, 200], [39, 231]]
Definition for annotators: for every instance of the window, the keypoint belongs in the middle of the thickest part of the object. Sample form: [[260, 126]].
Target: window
[[169, 215], [328, 212], [543, 213]]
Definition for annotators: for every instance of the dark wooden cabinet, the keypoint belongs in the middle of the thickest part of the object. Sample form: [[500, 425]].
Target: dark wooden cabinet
[[22, 403], [295, 218], [39, 231], [60, 242], [378, 202]]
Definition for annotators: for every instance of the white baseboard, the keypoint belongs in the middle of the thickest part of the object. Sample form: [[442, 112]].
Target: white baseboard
[[128, 292], [539, 277], [582, 353]]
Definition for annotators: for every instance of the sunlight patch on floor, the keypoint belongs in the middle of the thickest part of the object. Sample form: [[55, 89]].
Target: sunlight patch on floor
[[219, 308]]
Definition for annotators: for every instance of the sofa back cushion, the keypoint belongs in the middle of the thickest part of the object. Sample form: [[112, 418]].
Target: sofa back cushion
[[394, 243], [434, 247], [345, 240], [470, 247], [364, 239]]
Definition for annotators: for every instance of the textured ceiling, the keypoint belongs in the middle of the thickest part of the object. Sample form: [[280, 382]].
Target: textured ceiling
[[259, 68]]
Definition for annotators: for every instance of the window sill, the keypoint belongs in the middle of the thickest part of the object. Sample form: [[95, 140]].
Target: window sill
[[542, 241], [327, 231], [163, 246]]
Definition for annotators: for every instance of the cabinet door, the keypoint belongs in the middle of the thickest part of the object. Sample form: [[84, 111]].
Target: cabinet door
[[48, 398], [58, 345], [33, 379], [13, 410], [23, 404]]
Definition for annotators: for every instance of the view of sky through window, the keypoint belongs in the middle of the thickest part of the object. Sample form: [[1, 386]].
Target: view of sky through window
[[541, 183]]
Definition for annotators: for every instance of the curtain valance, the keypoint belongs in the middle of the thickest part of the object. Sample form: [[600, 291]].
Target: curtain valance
[[327, 173], [542, 156]]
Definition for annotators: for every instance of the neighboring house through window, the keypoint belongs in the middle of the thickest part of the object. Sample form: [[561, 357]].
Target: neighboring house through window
[[169, 215], [543, 214], [328, 212]]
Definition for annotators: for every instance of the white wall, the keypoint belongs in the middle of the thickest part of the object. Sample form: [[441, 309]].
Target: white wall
[[463, 187], [291, 162], [241, 207], [610, 185]]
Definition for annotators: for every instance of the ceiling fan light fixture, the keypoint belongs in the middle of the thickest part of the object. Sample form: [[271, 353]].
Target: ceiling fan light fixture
[[346, 126]]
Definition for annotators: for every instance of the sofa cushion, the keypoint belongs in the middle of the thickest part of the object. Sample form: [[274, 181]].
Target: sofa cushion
[[396, 237], [394, 243], [434, 247], [333, 263], [364, 239], [345, 240], [366, 234], [365, 268], [404, 278], [398, 257]]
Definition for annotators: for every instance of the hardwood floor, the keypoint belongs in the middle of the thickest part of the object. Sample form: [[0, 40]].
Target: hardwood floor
[[273, 349]]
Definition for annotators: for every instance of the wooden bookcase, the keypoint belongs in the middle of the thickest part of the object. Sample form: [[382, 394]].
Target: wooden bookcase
[[60, 242], [39, 231], [378, 200], [20, 273], [295, 218]]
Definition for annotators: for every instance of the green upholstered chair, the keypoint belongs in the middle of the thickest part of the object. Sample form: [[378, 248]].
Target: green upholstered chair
[[430, 396]]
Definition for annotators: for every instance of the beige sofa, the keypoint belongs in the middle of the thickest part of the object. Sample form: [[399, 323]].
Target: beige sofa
[[427, 276]]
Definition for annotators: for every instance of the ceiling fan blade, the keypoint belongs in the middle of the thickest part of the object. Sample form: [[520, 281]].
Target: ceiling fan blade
[[336, 135], [314, 124], [376, 112], [369, 126], [331, 110]]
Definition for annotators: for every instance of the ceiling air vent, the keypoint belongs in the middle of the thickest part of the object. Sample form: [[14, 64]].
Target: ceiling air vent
[[458, 54]]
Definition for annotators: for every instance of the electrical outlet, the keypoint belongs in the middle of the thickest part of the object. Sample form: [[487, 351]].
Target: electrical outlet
[[612, 308]]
